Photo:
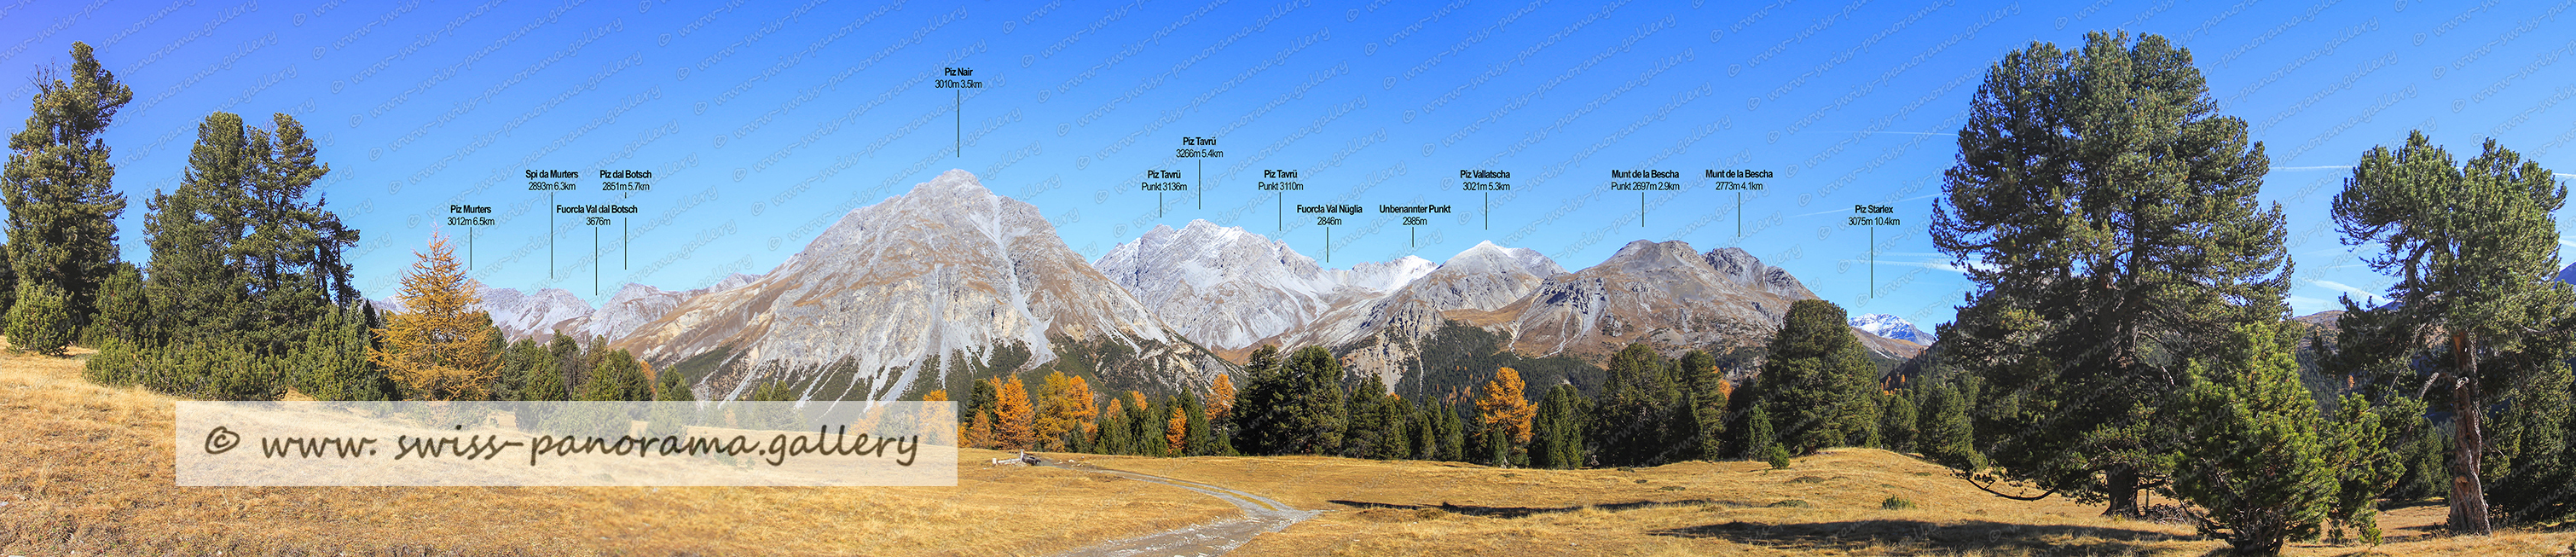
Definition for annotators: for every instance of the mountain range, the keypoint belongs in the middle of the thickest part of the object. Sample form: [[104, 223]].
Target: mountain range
[[950, 282]]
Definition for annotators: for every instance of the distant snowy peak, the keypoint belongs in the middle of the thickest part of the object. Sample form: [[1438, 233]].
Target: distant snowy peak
[[1891, 326], [1229, 288], [1487, 258]]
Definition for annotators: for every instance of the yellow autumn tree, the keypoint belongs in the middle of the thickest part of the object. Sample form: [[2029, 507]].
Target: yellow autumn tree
[[437, 349], [1220, 406], [1064, 404], [980, 435], [1012, 420], [1177, 430], [1504, 406]]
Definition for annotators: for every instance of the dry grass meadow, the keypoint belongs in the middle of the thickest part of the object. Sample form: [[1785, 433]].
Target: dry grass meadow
[[86, 469]]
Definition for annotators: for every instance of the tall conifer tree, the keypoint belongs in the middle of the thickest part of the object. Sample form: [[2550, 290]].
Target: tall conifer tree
[[58, 185], [2474, 247], [2106, 213]]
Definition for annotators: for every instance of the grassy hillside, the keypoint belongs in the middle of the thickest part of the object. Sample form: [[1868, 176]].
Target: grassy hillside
[[86, 468]]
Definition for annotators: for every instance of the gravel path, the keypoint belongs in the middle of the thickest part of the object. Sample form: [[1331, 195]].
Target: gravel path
[[1260, 514]]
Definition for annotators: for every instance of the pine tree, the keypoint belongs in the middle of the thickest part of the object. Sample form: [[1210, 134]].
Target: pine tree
[[1366, 435], [571, 366], [2253, 457], [981, 398], [545, 380], [437, 349], [2363, 462], [124, 313], [671, 386], [2474, 247], [1557, 437], [1948, 433], [1816, 384], [2107, 216], [1897, 422], [57, 188], [1758, 434], [1313, 412], [1629, 424], [1012, 416], [1259, 420], [334, 363], [1113, 437], [40, 323], [619, 378], [2533, 453]]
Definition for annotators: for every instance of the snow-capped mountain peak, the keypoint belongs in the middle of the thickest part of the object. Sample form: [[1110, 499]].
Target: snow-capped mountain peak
[[1891, 326]]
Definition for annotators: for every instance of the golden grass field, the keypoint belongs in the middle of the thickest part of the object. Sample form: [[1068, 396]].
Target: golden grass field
[[86, 469]]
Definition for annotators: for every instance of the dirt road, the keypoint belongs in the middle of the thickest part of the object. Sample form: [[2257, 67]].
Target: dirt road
[[1260, 514]]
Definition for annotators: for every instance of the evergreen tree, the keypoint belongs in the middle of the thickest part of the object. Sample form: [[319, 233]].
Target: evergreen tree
[[1816, 384], [1693, 433], [1425, 430], [570, 364], [1758, 434], [2530, 456], [2362, 462], [544, 378], [2474, 247], [1312, 412], [1628, 425], [1196, 438], [437, 350], [1948, 434], [619, 378], [1556, 440], [2107, 216], [1114, 436], [57, 188], [124, 313], [1259, 422], [983, 398], [670, 386], [2253, 457], [8, 281], [1366, 435], [40, 323], [334, 363], [1897, 422]]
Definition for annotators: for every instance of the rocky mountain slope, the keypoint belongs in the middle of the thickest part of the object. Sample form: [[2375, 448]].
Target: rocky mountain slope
[[946, 281], [1229, 289]]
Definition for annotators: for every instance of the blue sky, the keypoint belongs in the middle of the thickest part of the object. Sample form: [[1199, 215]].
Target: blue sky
[[764, 122]]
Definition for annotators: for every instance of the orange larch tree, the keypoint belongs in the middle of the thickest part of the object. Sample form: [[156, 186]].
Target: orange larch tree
[[1504, 406], [437, 349], [1013, 426]]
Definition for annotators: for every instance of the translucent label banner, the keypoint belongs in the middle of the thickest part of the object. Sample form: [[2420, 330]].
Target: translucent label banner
[[843, 443]]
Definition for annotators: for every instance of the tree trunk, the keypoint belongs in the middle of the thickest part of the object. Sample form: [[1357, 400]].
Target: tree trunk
[[2468, 491], [2123, 492]]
